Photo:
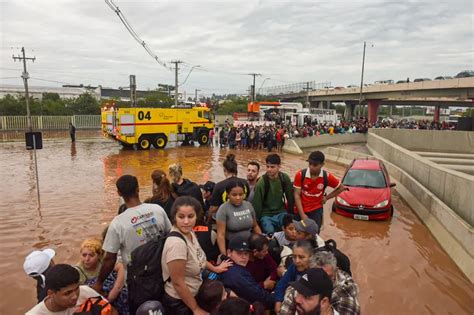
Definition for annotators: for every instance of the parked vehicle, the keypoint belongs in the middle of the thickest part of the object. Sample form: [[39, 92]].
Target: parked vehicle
[[401, 81], [465, 74], [443, 78], [146, 127], [421, 79], [368, 196], [384, 82]]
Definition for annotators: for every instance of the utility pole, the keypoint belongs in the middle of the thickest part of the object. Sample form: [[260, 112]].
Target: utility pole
[[196, 96], [176, 63], [254, 97], [25, 77], [133, 91], [307, 89], [361, 81]]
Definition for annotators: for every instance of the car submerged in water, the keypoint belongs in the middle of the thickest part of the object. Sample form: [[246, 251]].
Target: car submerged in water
[[368, 195]]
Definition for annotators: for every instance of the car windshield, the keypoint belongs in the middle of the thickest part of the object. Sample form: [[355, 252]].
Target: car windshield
[[365, 178]]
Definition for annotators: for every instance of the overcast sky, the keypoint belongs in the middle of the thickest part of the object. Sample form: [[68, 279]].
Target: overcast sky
[[84, 41]]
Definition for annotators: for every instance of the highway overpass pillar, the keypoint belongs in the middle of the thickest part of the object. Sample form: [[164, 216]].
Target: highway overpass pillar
[[349, 111], [373, 108], [436, 114]]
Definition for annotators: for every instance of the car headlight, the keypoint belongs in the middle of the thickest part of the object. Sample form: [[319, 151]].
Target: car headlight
[[342, 201], [381, 204]]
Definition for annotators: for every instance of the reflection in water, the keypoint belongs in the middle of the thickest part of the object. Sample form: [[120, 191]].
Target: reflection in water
[[398, 265], [73, 149]]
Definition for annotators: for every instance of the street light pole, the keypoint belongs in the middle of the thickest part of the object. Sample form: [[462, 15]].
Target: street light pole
[[361, 82]]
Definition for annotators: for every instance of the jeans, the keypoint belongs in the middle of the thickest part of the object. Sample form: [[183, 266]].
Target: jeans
[[272, 224], [316, 215], [175, 306]]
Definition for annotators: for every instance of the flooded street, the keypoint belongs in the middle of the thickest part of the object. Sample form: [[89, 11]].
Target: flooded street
[[399, 266]]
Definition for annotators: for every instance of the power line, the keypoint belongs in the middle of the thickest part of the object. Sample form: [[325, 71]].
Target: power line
[[134, 34]]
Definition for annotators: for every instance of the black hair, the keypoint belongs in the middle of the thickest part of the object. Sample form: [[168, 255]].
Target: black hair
[[287, 220], [232, 184], [257, 241], [317, 157], [60, 276], [210, 295], [273, 159], [185, 201], [254, 163], [127, 186], [230, 165], [238, 306]]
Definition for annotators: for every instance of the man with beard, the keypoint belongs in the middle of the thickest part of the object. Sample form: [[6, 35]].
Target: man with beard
[[253, 168], [313, 295]]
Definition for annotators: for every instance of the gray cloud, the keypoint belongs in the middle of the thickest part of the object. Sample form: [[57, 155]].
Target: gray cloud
[[289, 41]]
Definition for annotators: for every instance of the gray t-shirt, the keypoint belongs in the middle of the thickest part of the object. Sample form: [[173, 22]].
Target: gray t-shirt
[[238, 220], [134, 227]]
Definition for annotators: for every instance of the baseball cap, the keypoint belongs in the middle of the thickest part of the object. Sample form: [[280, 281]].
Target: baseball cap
[[315, 281], [150, 308], [307, 225], [208, 186], [38, 261], [316, 157], [239, 243]]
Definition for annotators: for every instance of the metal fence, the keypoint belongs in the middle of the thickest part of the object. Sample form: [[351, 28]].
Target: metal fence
[[293, 88], [50, 122]]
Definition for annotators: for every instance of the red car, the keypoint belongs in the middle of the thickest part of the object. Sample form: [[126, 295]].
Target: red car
[[368, 196]]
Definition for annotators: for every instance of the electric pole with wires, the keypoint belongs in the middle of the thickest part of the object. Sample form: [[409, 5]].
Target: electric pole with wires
[[30, 135], [253, 91], [176, 63]]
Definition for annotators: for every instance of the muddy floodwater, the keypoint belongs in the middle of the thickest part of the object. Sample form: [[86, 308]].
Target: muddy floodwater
[[399, 266]]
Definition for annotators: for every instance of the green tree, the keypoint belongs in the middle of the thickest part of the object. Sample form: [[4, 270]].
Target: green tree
[[85, 104], [156, 99]]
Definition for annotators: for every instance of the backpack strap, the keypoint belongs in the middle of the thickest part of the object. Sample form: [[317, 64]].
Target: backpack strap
[[83, 273], [325, 180], [303, 175], [177, 234]]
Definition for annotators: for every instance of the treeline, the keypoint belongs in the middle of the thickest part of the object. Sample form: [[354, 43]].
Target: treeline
[[50, 105]]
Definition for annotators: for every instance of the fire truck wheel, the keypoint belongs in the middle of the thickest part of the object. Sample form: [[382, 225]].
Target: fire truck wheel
[[203, 138], [144, 143], [160, 142]]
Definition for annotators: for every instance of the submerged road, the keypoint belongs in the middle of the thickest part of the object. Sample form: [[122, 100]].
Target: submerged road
[[399, 266]]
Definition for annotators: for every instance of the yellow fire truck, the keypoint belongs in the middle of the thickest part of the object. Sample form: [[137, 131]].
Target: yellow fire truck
[[146, 127]]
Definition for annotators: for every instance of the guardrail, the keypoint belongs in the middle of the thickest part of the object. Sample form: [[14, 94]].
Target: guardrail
[[17, 123]]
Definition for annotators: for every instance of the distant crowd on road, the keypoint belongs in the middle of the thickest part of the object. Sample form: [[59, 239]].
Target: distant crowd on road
[[269, 137], [240, 246]]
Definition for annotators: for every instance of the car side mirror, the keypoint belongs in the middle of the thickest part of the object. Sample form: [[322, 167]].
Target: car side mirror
[[393, 185]]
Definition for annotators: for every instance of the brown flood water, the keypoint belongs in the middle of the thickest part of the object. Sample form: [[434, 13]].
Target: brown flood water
[[399, 266]]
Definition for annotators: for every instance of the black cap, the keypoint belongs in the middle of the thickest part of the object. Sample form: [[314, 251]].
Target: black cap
[[238, 243], [314, 282], [316, 157], [208, 186], [154, 306]]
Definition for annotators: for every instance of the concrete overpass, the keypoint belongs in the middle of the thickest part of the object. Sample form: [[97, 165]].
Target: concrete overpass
[[453, 92]]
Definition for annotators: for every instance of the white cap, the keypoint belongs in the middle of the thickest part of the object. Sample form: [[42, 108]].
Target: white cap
[[38, 261]]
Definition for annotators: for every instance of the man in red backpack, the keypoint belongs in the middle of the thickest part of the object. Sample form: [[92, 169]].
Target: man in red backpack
[[309, 186]]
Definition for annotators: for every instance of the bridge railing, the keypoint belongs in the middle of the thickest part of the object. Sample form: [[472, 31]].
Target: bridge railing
[[50, 122], [294, 88]]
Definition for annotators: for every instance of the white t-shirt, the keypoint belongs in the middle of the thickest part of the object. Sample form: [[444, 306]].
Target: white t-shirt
[[85, 292], [134, 227]]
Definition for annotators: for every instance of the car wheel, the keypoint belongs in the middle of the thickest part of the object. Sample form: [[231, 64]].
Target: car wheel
[[203, 138], [391, 211], [333, 207]]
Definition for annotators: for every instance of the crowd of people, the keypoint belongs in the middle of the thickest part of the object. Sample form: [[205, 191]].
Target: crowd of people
[[272, 136], [240, 246]]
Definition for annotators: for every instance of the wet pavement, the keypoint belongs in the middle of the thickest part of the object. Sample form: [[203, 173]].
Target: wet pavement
[[399, 266]]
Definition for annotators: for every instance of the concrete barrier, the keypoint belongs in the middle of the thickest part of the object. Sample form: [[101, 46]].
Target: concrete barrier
[[292, 147], [453, 233], [454, 188], [323, 140], [429, 140]]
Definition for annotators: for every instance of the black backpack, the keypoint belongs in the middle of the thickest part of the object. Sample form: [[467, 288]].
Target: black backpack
[[144, 272], [343, 262]]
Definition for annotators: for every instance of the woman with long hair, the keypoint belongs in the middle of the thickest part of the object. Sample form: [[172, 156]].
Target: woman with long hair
[[162, 191]]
